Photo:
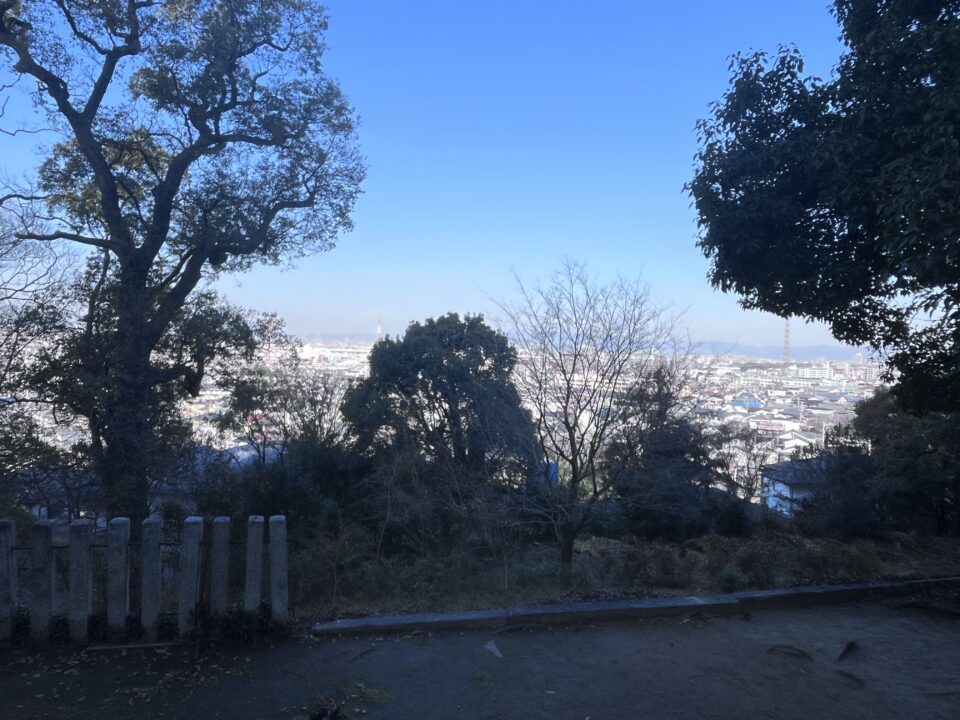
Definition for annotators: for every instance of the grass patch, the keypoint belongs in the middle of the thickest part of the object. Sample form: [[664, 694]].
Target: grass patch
[[606, 568]]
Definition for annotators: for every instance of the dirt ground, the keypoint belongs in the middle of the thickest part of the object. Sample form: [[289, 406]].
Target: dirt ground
[[897, 662]]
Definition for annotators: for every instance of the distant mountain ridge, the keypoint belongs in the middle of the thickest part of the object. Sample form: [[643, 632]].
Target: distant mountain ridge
[[800, 353]]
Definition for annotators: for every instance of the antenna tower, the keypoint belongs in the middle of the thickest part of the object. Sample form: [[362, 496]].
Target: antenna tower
[[379, 329], [786, 339]]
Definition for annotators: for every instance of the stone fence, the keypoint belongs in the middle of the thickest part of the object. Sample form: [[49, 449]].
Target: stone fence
[[202, 575]]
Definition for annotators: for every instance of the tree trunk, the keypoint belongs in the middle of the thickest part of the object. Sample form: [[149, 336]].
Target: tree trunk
[[127, 430], [125, 453], [566, 537]]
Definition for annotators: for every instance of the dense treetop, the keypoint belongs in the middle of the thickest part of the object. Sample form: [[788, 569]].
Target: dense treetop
[[445, 386], [192, 137], [839, 200]]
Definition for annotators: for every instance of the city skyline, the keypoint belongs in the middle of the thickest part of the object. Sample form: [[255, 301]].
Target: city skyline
[[836, 352]]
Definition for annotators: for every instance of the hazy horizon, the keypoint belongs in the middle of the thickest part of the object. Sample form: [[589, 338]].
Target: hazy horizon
[[836, 352]]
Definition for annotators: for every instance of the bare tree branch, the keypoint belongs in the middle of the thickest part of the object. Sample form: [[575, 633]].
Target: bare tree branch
[[585, 347]]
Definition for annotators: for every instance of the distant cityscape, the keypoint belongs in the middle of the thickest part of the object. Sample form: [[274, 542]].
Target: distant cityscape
[[788, 404]]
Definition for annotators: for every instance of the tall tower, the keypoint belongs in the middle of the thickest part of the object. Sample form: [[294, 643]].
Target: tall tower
[[786, 339], [379, 329]]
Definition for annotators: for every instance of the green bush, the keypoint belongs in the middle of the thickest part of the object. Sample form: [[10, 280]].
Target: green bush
[[731, 579]]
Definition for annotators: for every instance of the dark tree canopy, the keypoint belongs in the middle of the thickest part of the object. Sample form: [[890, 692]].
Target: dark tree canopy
[[916, 463], [193, 137], [440, 423], [445, 389], [839, 200]]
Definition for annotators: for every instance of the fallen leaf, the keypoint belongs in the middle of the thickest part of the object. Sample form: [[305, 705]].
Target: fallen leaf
[[492, 647]]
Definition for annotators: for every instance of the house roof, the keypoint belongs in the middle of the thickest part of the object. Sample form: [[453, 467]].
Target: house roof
[[809, 471]]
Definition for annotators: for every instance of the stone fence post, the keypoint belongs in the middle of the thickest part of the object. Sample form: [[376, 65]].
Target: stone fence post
[[42, 574], [8, 578], [41, 580], [150, 576], [253, 579], [189, 573], [279, 607], [219, 565], [81, 580], [118, 575]]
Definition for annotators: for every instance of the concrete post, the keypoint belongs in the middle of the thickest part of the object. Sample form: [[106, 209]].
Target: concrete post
[[118, 575], [150, 582], [219, 565], [81, 580], [8, 578], [41, 580], [253, 581], [279, 606], [189, 572]]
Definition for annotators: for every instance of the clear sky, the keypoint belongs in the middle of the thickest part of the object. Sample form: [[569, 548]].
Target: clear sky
[[502, 136]]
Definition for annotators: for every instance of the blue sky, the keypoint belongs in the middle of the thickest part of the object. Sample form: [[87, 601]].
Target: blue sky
[[503, 136]]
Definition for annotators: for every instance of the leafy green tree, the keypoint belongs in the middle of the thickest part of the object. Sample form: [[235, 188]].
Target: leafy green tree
[[444, 388], [441, 421], [916, 464], [845, 500], [662, 465], [837, 199], [194, 138], [72, 377], [661, 488]]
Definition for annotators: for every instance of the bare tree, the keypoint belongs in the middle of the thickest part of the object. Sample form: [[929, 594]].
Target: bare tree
[[585, 348], [742, 457], [273, 405], [32, 471], [29, 279], [26, 267]]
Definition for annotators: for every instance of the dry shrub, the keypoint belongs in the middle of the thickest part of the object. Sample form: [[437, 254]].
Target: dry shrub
[[634, 565], [604, 568], [783, 560], [321, 570], [731, 579]]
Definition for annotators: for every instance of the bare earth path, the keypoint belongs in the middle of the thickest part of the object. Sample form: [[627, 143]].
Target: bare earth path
[[776, 664]]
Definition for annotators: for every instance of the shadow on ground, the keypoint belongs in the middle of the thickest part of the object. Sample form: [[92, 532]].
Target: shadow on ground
[[870, 660]]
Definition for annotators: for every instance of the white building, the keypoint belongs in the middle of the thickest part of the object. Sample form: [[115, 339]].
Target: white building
[[787, 485]]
